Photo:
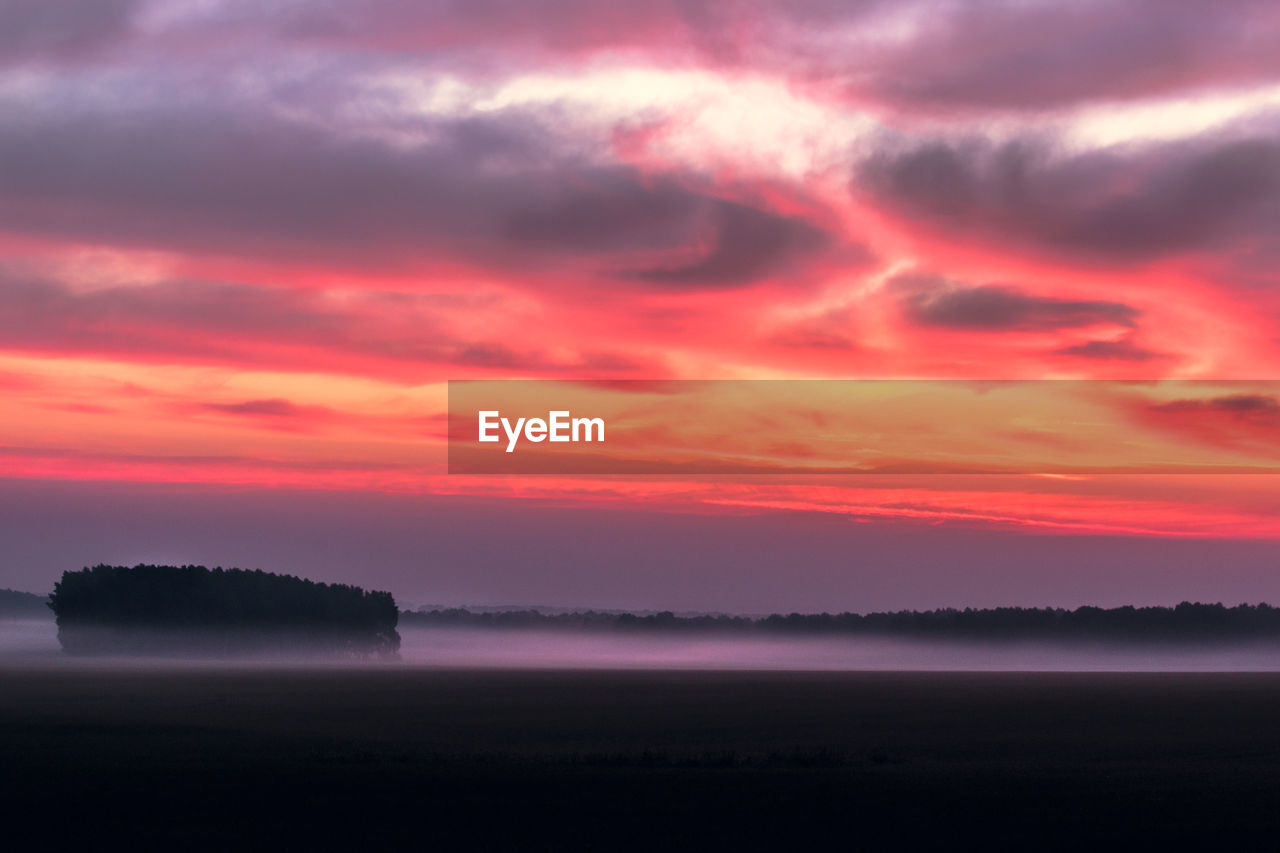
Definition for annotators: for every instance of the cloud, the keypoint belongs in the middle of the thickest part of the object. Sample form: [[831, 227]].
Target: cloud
[[62, 29], [390, 145], [208, 322], [1244, 422], [1117, 206], [744, 246], [1248, 406], [493, 36], [1012, 56], [807, 337], [503, 193], [934, 301], [276, 407], [1123, 349], [919, 55]]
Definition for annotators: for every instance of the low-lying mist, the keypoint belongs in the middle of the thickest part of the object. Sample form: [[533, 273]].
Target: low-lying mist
[[35, 643], [553, 649]]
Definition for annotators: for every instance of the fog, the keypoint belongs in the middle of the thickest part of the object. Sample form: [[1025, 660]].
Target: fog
[[28, 638], [550, 649], [35, 643]]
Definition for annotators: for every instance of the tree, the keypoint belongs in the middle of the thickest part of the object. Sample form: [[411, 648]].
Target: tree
[[150, 608]]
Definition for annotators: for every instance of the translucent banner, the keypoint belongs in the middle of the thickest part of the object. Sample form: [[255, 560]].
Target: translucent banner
[[759, 427]]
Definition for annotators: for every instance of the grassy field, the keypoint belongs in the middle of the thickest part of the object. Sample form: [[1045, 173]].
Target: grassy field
[[292, 758]]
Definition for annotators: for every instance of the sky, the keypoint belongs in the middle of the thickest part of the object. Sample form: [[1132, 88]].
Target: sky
[[245, 245]]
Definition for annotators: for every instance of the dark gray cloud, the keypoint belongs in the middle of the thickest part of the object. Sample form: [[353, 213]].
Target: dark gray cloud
[[1123, 349], [62, 29], [276, 407], [1119, 205], [1248, 406], [1008, 55], [814, 338], [746, 245], [1247, 421], [501, 193], [929, 300]]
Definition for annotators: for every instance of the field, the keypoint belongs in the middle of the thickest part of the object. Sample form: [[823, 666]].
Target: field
[[298, 757]]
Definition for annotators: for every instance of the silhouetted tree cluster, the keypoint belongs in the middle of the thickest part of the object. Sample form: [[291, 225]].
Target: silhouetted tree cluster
[[1185, 622], [163, 608]]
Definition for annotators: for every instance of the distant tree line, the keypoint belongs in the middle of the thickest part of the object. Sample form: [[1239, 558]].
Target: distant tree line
[[23, 605], [1186, 621], [174, 608]]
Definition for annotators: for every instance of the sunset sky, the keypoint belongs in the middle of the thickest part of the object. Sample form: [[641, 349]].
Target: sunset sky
[[244, 244]]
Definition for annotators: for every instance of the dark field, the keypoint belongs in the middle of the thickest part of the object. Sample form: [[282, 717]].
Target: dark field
[[293, 758]]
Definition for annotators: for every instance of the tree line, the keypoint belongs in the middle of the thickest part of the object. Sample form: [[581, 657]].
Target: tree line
[[23, 605], [1187, 621]]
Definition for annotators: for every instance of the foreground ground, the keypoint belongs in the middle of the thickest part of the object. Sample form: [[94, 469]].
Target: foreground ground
[[292, 758]]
